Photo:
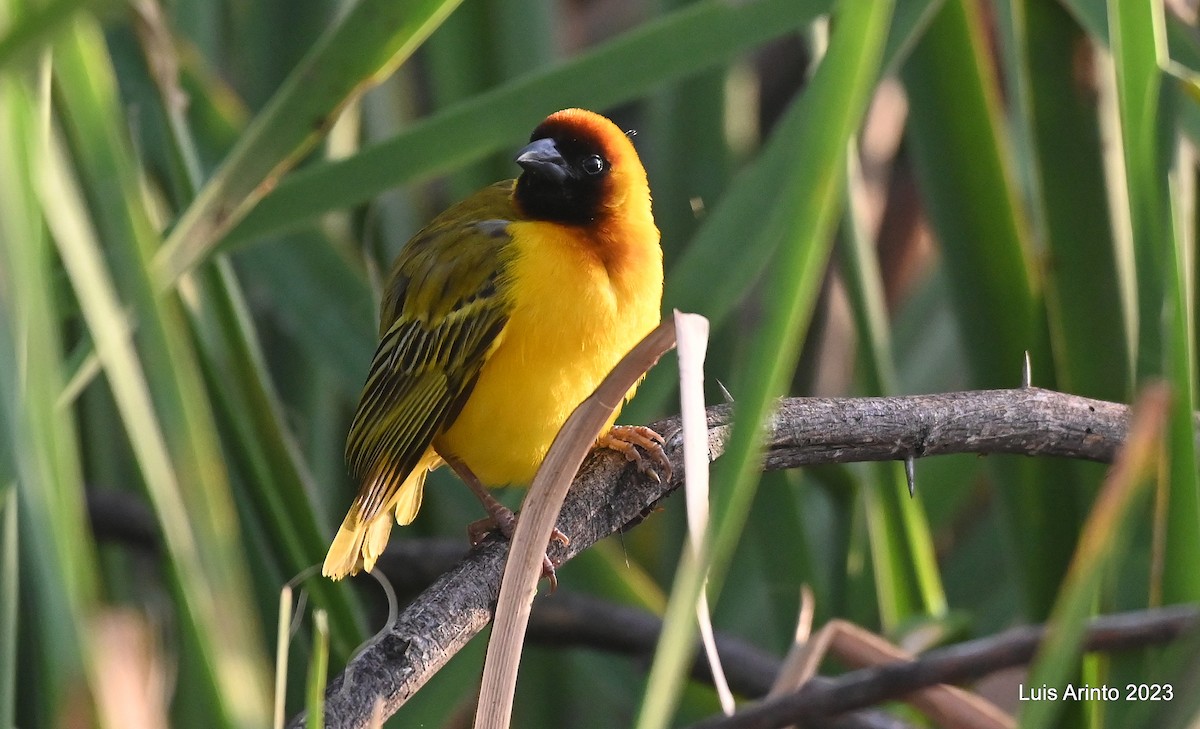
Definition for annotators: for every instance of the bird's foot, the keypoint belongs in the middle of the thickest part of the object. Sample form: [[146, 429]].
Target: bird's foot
[[630, 441], [502, 519]]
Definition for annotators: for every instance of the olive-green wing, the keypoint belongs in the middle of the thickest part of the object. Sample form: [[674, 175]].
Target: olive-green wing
[[444, 311]]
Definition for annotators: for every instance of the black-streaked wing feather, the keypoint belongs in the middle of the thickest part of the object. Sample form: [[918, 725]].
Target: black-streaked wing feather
[[444, 311]]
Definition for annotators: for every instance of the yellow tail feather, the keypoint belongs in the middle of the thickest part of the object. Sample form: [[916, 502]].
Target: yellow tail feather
[[342, 558], [358, 544]]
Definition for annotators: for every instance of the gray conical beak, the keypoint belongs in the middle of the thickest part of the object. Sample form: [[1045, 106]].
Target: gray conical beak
[[541, 158]]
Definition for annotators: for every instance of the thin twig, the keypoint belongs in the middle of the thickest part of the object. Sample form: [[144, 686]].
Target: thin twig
[[954, 664], [576, 620]]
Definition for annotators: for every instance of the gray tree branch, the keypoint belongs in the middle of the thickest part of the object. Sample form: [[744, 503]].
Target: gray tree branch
[[608, 497]]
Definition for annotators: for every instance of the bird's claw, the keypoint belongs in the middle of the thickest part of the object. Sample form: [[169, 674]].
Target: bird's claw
[[630, 441], [548, 567], [505, 523]]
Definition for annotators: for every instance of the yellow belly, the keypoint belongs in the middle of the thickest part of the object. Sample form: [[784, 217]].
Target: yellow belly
[[571, 322]]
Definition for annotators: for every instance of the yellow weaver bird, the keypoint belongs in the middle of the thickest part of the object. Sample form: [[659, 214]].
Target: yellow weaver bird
[[497, 320]]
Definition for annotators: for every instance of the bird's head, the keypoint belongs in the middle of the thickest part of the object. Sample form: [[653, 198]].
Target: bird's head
[[580, 169]]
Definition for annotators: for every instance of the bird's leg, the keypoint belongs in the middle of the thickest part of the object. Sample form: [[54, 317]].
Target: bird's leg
[[628, 439], [500, 518]]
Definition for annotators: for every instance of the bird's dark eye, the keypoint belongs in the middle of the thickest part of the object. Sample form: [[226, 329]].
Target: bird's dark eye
[[593, 165]]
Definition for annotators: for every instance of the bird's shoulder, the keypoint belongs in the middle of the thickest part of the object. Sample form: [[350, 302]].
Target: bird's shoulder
[[455, 261]]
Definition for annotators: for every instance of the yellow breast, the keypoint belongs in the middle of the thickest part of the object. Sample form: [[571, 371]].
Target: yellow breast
[[572, 319]]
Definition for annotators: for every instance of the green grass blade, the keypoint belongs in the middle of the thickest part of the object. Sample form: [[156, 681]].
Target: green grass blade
[[1087, 288], [961, 159], [365, 46], [283, 638], [321, 299], [906, 571], [967, 175], [474, 51], [524, 35], [462, 64], [682, 43], [1183, 44], [606, 571], [1138, 48], [702, 279], [1104, 537], [810, 194], [911, 20], [1183, 526], [278, 481], [1162, 253], [1090, 326], [35, 26], [155, 379], [10, 592], [98, 297], [698, 126], [318, 668], [40, 441]]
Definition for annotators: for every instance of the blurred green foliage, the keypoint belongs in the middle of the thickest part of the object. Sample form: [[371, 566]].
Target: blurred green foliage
[[198, 197]]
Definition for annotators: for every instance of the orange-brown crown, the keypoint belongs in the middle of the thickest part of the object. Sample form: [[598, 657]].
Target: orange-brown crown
[[573, 195]]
